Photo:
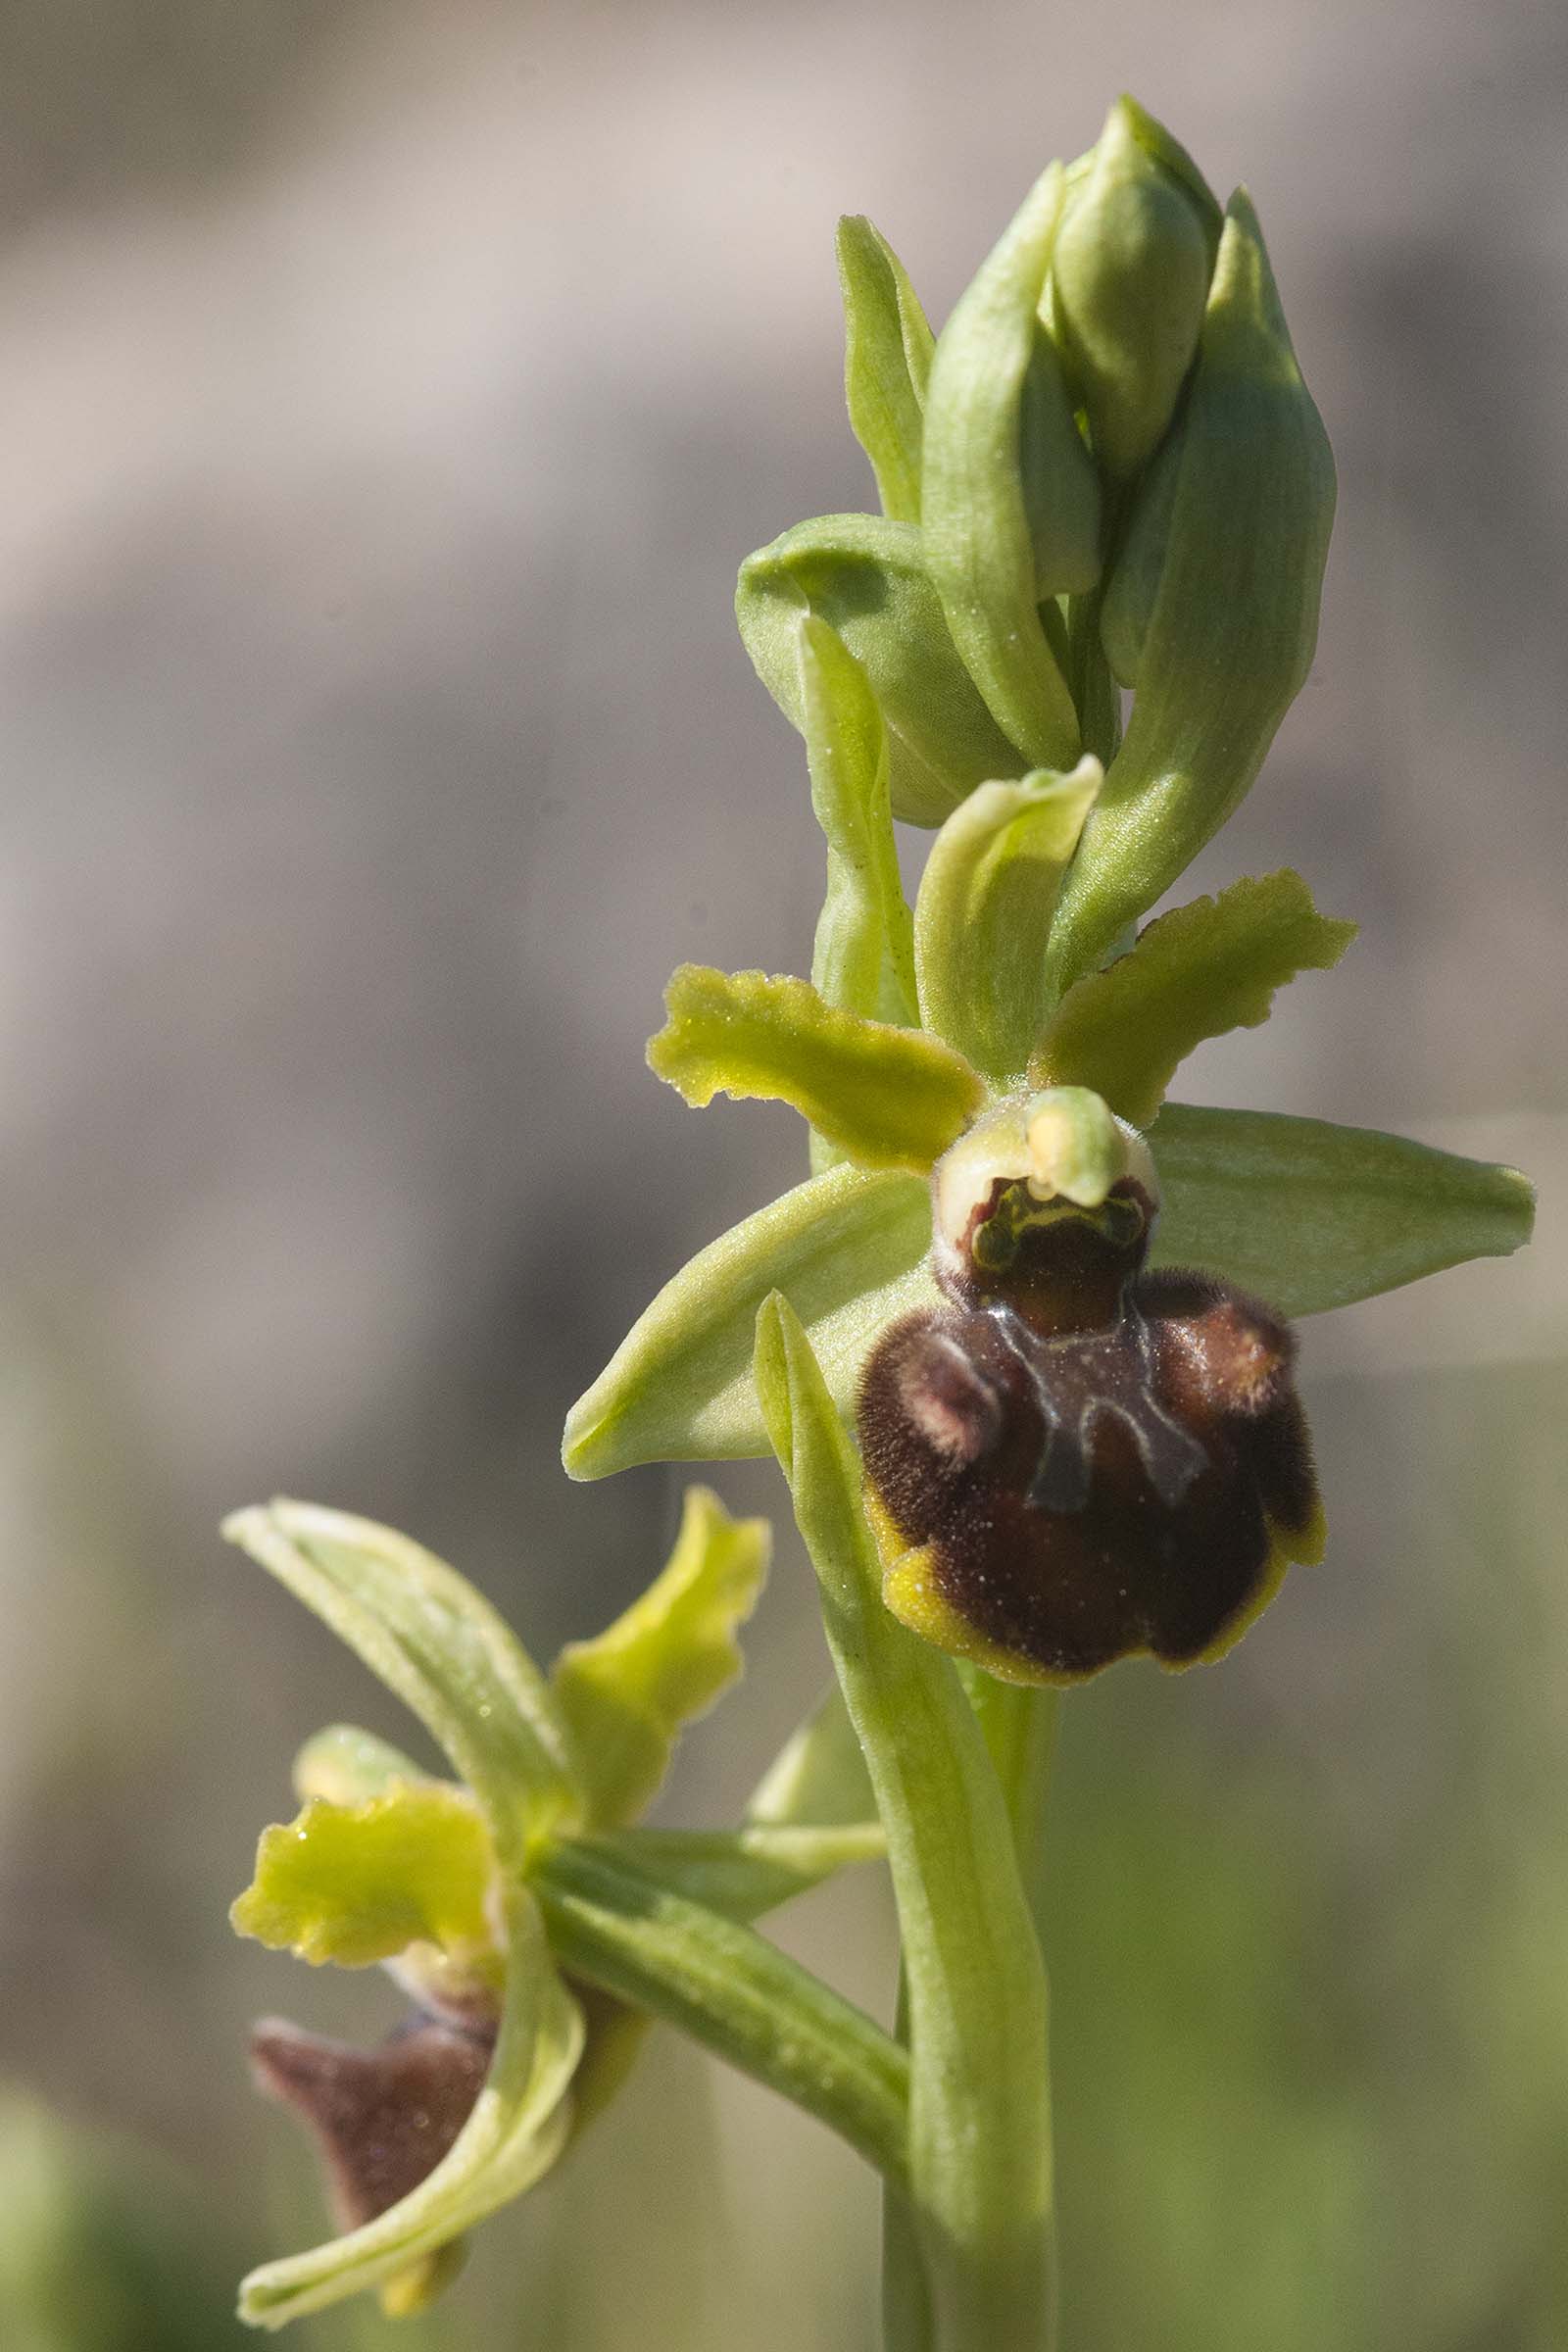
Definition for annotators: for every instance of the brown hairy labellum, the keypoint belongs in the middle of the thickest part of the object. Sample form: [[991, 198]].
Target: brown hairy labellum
[[1073, 1459], [382, 2117]]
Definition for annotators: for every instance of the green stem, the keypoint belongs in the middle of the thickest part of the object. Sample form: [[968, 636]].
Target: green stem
[[728, 1988], [1019, 1722], [906, 2320], [979, 2146]]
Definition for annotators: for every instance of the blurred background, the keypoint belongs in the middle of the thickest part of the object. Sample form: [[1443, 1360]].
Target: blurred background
[[387, 396]]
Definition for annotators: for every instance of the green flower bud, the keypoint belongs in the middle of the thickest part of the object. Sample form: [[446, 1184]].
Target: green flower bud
[[868, 578], [1211, 608], [1010, 501], [887, 359], [1128, 282]]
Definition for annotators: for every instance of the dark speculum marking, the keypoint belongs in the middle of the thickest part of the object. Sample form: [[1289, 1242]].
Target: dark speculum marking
[[1098, 1461]]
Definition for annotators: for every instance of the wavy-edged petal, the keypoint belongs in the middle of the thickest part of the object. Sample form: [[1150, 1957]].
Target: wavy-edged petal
[[889, 1097], [1207, 967], [357, 1884], [627, 1693]]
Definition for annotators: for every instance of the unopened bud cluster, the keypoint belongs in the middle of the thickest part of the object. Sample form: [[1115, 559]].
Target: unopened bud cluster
[[1106, 472]]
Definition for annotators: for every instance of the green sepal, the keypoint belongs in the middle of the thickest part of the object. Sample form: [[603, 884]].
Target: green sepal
[[516, 2130], [1129, 275], [889, 1097], [866, 577], [626, 1694], [1311, 1215], [358, 1883], [1196, 973], [441, 1648], [348, 1767], [848, 1250], [818, 1777], [1130, 597], [744, 1872], [812, 1813], [979, 2127], [863, 957], [1211, 607], [984, 912], [887, 361], [1010, 506]]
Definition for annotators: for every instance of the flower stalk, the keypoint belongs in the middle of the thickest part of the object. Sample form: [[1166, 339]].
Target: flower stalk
[[979, 2124]]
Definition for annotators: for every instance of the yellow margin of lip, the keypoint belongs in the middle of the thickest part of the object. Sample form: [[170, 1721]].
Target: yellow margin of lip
[[910, 1591]]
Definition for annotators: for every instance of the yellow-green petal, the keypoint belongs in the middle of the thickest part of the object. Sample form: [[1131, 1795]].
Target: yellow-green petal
[[889, 1097], [1311, 1215], [983, 915], [358, 1883], [850, 1251], [1207, 967], [626, 1694]]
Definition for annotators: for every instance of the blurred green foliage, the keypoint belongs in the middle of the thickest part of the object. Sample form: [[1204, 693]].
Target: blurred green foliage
[[101, 2248]]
